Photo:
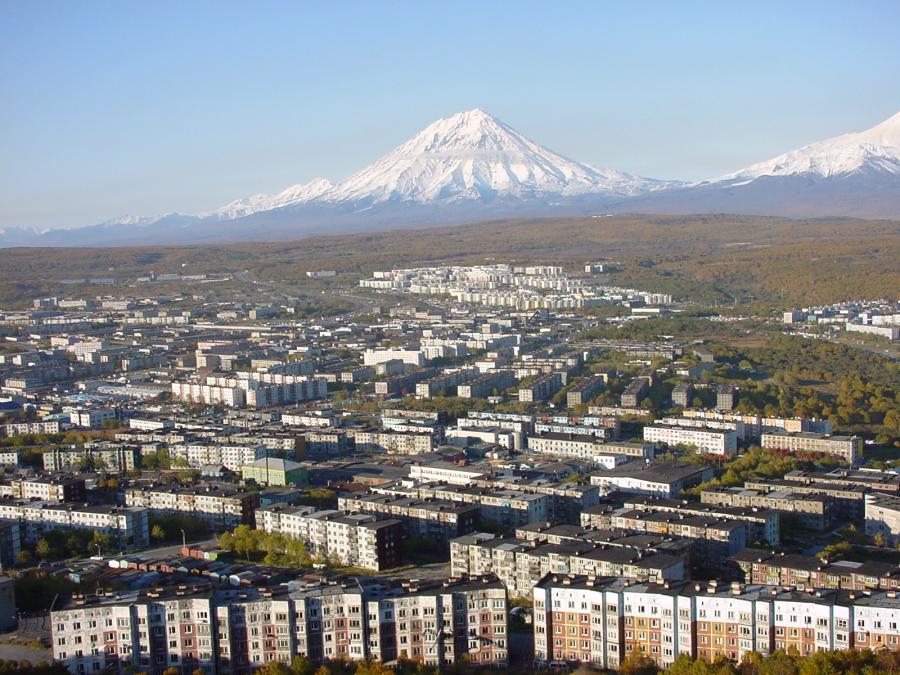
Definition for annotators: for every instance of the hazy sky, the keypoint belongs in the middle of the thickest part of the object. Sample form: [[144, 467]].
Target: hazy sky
[[121, 107]]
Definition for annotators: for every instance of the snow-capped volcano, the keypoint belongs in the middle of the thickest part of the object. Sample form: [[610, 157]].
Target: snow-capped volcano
[[472, 167], [855, 174], [875, 149], [474, 156], [469, 156]]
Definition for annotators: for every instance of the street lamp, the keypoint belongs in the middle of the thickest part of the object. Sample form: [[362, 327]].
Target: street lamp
[[183, 539]]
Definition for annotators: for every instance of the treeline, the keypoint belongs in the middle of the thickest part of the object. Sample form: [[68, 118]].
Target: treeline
[[846, 662], [272, 549]]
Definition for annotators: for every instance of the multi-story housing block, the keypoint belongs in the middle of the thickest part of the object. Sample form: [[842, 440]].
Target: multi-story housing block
[[223, 508], [584, 390], [101, 455], [705, 440], [236, 631], [45, 488], [521, 563], [882, 516], [433, 520], [846, 448], [812, 511], [603, 621], [126, 526], [395, 442], [804, 572], [358, 539]]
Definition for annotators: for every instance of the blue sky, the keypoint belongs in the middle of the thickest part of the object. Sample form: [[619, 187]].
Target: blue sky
[[110, 107]]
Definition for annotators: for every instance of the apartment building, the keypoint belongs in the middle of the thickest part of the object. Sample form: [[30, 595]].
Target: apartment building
[[464, 436], [401, 384], [204, 453], [45, 488], [811, 511], [540, 388], [222, 508], [760, 566], [502, 507], [91, 419], [100, 455], [597, 621], [413, 357], [861, 479], [20, 428], [434, 520], [846, 448], [660, 479], [714, 539], [359, 539], [395, 442], [447, 472], [725, 396], [635, 392], [705, 440], [848, 503], [584, 390], [763, 524], [567, 500], [488, 384], [582, 446], [882, 516], [126, 526], [236, 631], [521, 563], [759, 424], [445, 384], [326, 442], [683, 394]]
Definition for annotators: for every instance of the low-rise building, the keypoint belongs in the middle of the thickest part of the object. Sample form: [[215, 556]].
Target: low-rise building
[[274, 471]]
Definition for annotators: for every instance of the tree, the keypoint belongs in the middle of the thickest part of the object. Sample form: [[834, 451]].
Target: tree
[[157, 532], [836, 551], [638, 664], [23, 558], [42, 548]]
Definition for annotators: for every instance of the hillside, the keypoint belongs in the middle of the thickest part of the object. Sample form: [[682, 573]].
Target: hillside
[[716, 259]]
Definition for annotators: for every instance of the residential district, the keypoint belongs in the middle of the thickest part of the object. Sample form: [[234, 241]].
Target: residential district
[[461, 469]]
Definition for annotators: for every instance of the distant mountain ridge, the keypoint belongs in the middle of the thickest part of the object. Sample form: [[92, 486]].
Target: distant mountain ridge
[[471, 166]]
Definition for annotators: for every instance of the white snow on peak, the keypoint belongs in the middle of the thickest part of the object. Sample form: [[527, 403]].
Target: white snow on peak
[[474, 156], [876, 149], [296, 194]]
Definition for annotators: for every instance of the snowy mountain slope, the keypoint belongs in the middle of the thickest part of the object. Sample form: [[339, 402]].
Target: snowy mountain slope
[[474, 156], [855, 174], [296, 194], [875, 149]]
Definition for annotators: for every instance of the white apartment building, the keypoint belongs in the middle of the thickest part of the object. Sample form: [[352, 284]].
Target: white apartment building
[[357, 539], [445, 472], [706, 440], [883, 516], [413, 357], [127, 526], [148, 424]]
